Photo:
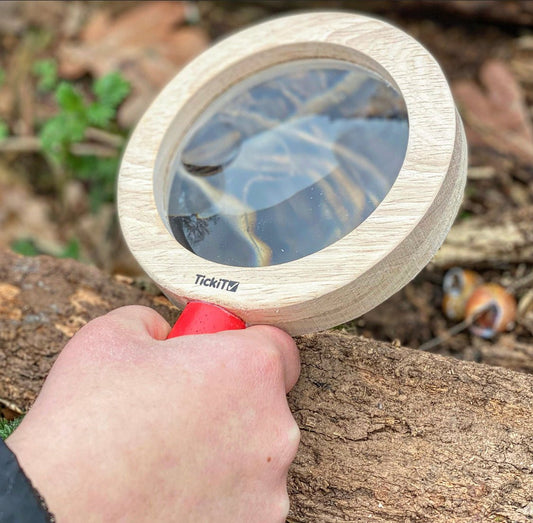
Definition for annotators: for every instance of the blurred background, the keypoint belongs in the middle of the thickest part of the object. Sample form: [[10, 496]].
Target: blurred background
[[76, 76]]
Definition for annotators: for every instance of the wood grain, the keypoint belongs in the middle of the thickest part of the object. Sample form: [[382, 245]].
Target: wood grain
[[354, 274]]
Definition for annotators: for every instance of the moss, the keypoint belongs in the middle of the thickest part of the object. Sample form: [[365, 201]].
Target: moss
[[7, 427]]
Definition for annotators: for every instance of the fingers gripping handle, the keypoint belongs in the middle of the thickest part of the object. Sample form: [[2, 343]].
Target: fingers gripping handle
[[204, 318]]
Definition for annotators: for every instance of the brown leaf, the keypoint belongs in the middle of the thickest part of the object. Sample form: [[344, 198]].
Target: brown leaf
[[24, 215], [496, 114], [11, 19], [148, 44], [97, 26]]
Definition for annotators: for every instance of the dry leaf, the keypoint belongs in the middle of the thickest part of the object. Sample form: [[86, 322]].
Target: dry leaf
[[148, 44], [24, 215], [496, 116], [11, 20]]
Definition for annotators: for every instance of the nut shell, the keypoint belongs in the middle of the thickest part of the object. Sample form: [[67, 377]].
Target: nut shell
[[492, 309], [458, 286]]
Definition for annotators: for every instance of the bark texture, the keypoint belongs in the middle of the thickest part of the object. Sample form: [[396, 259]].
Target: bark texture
[[519, 12], [505, 12], [393, 434], [388, 433], [490, 240], [43, 302]]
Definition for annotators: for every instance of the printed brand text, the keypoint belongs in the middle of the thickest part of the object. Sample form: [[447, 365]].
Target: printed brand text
[[217, 283]]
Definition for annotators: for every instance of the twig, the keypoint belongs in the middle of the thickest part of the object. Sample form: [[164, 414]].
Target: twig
[[483, 172], [11, 406], [92, 149], [105, 137], [32, 144], [21, 144], [522, 282], [456, 329]]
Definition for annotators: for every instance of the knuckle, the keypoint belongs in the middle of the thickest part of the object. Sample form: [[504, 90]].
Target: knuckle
[[294, 436], [283, 507], [291, 442], [270, 361], [284, 445]]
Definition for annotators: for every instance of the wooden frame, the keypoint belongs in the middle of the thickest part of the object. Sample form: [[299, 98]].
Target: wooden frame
[[356, 273]]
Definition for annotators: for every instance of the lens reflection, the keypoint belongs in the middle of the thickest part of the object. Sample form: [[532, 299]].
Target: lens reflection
[[287, 163]]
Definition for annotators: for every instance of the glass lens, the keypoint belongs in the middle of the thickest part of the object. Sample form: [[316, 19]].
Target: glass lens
[[286, 163]]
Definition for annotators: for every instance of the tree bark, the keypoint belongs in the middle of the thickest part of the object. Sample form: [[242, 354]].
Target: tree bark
[[491, 240], [388, 433], [513, 12], [497, 12]]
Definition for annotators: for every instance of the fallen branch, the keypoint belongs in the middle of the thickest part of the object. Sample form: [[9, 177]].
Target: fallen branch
[[490, 240], [388, 433], [101, 143], [20, 144], [504, 12]]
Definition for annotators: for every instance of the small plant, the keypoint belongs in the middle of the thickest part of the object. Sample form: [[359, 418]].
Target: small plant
[[60, 134], [7, 427], [28, 247], [46, 72], [71, 250]]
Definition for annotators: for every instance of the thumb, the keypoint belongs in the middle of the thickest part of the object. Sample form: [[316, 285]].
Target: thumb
[[140, 320], [286, 348]]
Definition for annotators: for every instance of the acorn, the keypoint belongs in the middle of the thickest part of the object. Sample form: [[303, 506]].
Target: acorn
[[491, 309], [458, 286]]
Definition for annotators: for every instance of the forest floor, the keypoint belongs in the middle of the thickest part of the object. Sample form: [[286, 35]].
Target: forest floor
[[56, 196]]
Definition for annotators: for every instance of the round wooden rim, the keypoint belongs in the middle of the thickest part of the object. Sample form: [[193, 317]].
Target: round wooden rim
[[360, 270]]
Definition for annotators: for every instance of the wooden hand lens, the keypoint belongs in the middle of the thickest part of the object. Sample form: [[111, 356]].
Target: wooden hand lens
[[297, 173]]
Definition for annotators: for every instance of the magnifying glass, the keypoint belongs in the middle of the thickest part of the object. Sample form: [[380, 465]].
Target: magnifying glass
[[297, 174]]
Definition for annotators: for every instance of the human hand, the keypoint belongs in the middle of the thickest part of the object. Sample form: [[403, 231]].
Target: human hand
[[132, 427]]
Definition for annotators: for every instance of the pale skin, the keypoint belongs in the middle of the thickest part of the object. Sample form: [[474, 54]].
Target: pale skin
[[132, 427]]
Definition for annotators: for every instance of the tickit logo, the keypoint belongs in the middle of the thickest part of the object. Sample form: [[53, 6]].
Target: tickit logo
[[217, 283]]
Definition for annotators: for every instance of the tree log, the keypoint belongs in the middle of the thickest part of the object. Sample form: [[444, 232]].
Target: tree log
[[519, 12], [504, 12], [388, 433], [492, 240]]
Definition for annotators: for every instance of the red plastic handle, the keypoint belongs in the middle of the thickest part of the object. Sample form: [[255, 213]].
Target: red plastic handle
[[204, 318]]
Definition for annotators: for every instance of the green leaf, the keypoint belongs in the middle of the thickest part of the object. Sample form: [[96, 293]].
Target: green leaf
[[111, 89], [8, 427], [26, 247], [69, 98], [61, 131], [4, 130], [99, 114], [2, 76], [69, 126], [46, 71], [95, 169], [100, 174], [71, 250]]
